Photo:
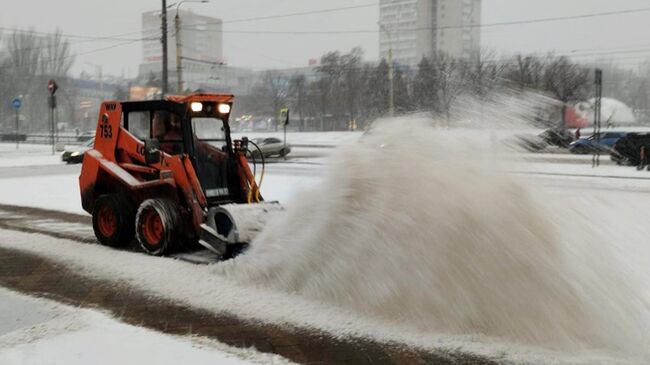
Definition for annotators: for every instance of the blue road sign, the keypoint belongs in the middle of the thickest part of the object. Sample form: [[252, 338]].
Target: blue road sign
[[16, 103]]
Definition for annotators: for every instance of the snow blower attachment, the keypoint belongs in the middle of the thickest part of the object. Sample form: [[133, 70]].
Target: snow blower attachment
[[168, 173]]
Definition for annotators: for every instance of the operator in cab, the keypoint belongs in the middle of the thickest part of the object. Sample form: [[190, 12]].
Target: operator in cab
[[167, 129]]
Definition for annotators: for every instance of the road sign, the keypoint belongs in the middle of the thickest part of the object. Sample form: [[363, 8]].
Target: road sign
[[16, 103]]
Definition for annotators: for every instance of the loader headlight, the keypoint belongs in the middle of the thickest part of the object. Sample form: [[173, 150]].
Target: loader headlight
[[196, 107], [224, 108]]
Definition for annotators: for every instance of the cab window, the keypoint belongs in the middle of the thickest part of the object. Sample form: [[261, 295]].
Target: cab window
[[209, 130], [139, 124]]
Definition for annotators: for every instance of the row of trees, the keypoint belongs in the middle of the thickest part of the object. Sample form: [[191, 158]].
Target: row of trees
[[30, 61], [345, 91]]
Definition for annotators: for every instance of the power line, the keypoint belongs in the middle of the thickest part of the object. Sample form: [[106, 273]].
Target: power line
[[289, 15], [72, 36], [555, 19], [117, 37], [203, 61], [9, 65], [476, 25]]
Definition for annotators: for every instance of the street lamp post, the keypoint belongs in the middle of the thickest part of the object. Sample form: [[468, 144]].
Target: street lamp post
[[391, 89], [164, 47], [179, 54]]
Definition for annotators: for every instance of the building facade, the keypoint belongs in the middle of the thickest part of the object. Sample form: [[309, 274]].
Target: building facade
[[201, 40], [425, 28]]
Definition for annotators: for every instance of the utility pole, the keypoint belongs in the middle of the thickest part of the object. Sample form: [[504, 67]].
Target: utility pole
[[17, 121], [179, 57], [597, 114], [52, 87], [164, 48], [16, 104], [391, 88]]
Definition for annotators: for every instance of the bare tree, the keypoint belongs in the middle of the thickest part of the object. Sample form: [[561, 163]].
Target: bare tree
[[566, 81], [23, 48], [403, 98], [451, 82], [425, 87], [378, 89], [23, 55], [328, 84], [275, 87], [351, 83], [527, 72], [484, 74], [56, 58], [298, 91]]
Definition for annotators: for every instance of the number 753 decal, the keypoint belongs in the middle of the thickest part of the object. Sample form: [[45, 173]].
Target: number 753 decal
[[106, 131]]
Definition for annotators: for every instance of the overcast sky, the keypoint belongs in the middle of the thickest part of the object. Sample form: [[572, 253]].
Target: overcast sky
[[621, 37]]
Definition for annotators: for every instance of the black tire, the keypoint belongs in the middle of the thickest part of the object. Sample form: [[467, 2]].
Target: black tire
[[158, 226], [283, 152], [234, 250], [113, 220]]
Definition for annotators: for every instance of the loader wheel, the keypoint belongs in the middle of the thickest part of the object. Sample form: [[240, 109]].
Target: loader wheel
[[113, 221], [158, 226]]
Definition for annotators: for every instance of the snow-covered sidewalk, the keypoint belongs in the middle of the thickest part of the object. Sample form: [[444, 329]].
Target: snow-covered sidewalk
[[39, 331], [61, 192], [27, 155]]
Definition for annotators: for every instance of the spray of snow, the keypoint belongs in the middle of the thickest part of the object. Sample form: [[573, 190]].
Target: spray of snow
[[416, 226]]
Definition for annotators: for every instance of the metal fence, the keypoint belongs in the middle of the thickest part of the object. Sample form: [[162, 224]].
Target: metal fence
[[44, 138]]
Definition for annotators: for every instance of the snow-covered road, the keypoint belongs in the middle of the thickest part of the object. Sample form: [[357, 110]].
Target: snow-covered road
[[610, 197]]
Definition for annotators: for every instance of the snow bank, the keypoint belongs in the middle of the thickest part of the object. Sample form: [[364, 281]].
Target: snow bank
[[440, 241]]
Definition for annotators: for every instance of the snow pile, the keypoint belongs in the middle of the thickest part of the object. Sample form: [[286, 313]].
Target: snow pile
[[613, 112], [414, 226]]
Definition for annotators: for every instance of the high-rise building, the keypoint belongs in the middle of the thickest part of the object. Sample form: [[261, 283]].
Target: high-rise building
[[426, 28], [201, 39]]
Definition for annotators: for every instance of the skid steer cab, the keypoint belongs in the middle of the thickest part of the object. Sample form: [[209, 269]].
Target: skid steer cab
[[168, 173]]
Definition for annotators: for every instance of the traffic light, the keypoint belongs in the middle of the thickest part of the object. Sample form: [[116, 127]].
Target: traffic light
[[52, 87], [284, 116]]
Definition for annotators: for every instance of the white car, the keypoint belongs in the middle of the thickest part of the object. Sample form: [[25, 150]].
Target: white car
[[270, 147], [75, 154]]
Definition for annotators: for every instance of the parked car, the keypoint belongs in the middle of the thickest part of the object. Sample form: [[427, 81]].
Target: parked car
[[557, 137], [86, 136], [75, 154], [627, 150], [270, 147], [592, 144], [536, 143]]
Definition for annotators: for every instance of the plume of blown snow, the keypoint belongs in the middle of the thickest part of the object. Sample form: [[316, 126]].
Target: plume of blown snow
[[416, 226]]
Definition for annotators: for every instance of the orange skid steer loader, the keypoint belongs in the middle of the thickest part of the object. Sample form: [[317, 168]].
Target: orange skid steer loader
[[168, 173]]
